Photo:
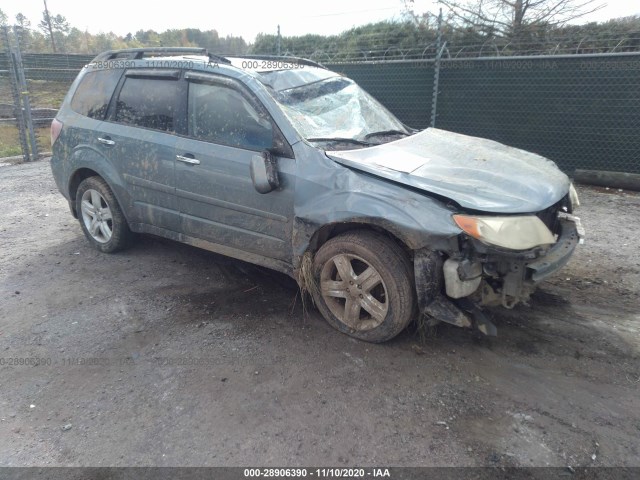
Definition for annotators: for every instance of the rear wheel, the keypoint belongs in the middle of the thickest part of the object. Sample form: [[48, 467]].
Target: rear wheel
[[100, 216], [365, 285]]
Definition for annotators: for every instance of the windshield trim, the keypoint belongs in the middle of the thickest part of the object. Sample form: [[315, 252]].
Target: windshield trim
[[286, 90]]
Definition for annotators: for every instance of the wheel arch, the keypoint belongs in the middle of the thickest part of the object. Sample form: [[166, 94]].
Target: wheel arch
[[74, 182], [85, 171], [103, 222], [87, 161], [331, 230]]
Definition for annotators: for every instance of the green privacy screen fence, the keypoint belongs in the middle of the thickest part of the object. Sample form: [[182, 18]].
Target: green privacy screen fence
[[582, 111], [50, 66]]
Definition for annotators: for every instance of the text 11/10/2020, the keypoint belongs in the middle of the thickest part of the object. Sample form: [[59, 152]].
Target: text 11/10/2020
[[317, 472]]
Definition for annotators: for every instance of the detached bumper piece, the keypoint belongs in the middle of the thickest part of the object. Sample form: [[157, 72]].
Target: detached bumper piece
[[437, 306], [443, 310], [461, 313]]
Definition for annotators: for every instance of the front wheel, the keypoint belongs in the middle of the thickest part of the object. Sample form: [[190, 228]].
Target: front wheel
[[365, 285], [100, 216]]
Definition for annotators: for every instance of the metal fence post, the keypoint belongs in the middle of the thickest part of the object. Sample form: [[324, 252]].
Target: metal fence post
[[15, 93], [436, 70], [24, 95]]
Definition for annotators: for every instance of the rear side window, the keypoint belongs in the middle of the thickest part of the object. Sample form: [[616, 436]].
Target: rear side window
[[220, 114], [92, 96], [149, 103]]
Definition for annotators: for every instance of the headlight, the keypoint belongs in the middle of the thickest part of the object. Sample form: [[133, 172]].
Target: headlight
[[515, 233], [573, 196]]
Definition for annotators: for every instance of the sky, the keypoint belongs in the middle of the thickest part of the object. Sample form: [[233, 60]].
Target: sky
[[295, 17]]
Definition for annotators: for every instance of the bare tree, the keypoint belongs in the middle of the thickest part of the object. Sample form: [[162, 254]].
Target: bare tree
[[421, 19], [45, 26], [513, 19], [22, 21]]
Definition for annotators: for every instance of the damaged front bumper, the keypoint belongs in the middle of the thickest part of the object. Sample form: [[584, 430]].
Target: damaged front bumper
[[481, 275], [558, 256]]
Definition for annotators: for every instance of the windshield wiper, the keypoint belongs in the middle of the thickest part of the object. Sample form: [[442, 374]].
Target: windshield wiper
[[386, 132], [341, 140]]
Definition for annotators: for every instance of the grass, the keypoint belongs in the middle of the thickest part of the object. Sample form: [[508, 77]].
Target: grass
[[42, 94], [10, 141]]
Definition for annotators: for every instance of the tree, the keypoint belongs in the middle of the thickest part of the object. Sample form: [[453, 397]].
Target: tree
[[3, 17], [56, 26], [425, 20], [76, 41], [22, 21], [45, 26], [22, 28], [515, 20]]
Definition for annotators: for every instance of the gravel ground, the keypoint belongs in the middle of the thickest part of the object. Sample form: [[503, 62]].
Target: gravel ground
[[169, 355]]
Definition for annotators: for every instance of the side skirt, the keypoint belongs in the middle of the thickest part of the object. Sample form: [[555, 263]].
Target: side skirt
[[267, 262]]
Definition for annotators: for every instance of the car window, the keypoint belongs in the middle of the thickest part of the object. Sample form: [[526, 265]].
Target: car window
[[149, 103], [92, 96], [221, 114]]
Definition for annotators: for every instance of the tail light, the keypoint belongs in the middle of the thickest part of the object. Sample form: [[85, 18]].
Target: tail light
[[56, 128]]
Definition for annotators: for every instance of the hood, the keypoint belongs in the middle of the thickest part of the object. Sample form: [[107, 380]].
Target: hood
[[476, 173]]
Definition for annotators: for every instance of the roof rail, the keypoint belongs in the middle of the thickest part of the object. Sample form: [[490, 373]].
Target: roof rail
[[291, 59], [138, 53]]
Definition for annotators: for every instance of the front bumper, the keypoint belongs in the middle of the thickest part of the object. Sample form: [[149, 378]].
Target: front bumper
[[510, 279], [481, 275], [491, 276], [571, 234]]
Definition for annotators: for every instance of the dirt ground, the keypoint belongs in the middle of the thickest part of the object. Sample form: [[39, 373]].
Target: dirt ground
[[169, 355]]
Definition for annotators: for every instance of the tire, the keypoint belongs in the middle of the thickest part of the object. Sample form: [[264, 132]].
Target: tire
[[100, 216], [378, 301]]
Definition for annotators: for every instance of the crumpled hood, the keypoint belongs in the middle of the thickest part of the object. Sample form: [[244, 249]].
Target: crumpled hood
[[476, 173]]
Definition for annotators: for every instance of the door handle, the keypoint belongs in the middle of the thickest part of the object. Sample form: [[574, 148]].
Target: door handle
[[106, 141], [189, 160]]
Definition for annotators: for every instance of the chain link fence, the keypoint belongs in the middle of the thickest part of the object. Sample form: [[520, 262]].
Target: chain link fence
[[582, 111], [9, 142], [48, 78], [14, 131]]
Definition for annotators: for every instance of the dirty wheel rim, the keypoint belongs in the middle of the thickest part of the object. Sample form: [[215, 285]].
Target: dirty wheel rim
[[96, 216], [354, 292]]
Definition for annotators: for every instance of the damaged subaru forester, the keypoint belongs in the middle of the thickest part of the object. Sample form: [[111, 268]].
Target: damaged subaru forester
[[280, 162]]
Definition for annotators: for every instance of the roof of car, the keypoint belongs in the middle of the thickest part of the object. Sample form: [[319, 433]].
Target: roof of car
[[255, 63], [278, 72]]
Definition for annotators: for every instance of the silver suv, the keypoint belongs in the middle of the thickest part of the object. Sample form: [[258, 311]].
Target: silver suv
[[285, 164]]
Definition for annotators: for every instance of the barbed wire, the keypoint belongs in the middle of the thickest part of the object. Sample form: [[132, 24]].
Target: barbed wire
[[489, 48], [406, 41]]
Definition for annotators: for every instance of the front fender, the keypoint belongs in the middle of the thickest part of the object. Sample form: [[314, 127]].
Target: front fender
[[417, 220]]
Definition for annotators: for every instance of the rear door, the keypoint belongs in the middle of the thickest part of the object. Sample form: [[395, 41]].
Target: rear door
[[226, 127], [140, 137], [82, 119]]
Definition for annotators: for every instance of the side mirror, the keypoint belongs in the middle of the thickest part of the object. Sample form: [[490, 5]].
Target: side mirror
[[264, 173]]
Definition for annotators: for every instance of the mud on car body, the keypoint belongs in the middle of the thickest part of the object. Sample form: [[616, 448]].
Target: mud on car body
[[300, 170]]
